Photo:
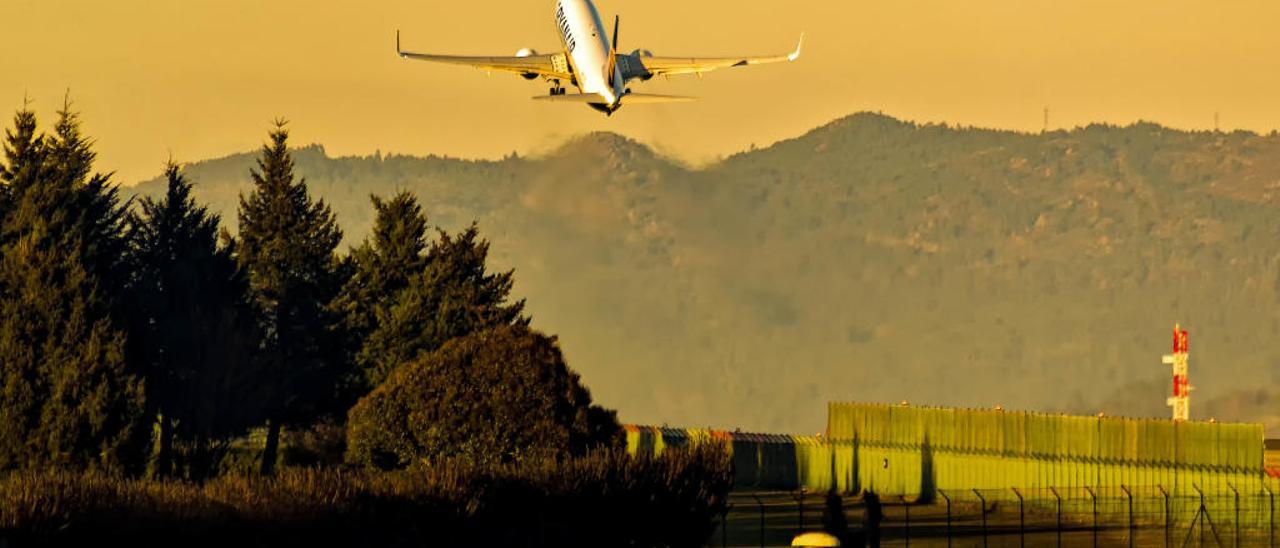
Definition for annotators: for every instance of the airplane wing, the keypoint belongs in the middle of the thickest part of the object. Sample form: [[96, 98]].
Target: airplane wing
[[659, 66], [551, 66]]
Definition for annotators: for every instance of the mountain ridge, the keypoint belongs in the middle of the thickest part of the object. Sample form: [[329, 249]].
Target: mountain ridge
[[869, 259]]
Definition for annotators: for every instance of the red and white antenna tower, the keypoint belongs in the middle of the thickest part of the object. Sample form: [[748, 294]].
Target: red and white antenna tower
[[1181, 399]]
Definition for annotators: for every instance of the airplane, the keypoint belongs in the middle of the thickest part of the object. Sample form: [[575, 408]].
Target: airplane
[[593, 65]]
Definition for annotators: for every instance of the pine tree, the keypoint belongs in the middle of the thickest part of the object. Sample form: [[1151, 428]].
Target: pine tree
[[287, 244], [191, 329], [383, 265], [96, 214], [454, 296], [20, 405], [69, 398], [385, 261], [25, 154]]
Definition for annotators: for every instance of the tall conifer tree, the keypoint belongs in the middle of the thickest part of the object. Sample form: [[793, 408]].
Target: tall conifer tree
[[287, 243], [25, 154], [385, 261], [69, 398], [452, 297], [383, 265], [192, 330], [95, 211]]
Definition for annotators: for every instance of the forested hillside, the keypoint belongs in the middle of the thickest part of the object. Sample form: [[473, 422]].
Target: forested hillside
[[871, 259]]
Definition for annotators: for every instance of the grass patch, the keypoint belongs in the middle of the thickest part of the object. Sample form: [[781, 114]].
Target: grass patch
[[604, 498]]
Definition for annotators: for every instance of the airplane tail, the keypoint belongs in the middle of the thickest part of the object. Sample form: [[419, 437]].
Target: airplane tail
[[611, 68]]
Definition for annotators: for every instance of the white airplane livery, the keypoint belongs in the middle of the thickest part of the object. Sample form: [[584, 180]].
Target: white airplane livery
[[591, 63]]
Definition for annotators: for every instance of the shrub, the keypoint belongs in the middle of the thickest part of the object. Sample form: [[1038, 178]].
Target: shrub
[[497, 396], [604, 499]]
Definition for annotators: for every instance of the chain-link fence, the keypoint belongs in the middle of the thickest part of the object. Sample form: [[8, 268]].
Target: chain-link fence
[[1119, 516]]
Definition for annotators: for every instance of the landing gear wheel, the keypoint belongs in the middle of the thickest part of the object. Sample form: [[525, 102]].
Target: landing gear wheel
[[558, 89]]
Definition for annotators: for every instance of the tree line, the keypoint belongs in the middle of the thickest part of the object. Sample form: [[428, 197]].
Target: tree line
[[141, 337]]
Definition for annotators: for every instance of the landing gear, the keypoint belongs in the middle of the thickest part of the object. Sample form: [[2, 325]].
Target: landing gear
[[558, 89]]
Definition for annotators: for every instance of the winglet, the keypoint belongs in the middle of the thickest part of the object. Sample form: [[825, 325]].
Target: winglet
[[796, 54], [398, 50]]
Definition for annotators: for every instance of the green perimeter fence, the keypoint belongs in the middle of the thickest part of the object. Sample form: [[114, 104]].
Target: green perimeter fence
[[918, 452]]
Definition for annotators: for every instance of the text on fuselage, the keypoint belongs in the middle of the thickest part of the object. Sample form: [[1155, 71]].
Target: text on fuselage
[[563, 21]]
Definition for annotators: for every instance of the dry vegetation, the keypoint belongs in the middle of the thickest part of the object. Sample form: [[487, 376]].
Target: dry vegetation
[[606, 498]]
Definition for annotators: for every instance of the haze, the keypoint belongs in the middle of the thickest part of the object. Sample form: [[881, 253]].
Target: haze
[[202, 78]]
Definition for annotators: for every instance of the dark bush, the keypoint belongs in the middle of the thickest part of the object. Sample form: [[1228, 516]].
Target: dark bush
[[604, 499], [498, 396]]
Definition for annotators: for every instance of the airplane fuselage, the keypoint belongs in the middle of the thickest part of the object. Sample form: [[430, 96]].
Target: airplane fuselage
[[590, 53], [589, 60]]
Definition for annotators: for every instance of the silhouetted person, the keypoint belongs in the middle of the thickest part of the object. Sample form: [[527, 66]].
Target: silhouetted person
[[874, 514], [833, 518]]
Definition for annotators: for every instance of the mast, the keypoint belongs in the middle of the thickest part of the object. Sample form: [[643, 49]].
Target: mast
[[1180, 401]]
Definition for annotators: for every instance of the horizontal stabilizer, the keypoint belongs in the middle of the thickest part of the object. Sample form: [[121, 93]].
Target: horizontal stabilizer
[[648, 98], [572, 98], [628, 99]]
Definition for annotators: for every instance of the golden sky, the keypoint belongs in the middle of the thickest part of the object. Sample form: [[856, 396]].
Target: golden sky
[[203, 78]]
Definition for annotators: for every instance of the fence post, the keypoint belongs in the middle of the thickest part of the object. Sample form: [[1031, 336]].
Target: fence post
[[1168, 540], [907, 527], [1271, 515], [1200, 514], [1237, 509], [760, 504], [1095, 515], [983, 509], [1129, 494], [1058, 498], [724, 526], [800, 526], [1022, 519], [948, 499], [802, 508]]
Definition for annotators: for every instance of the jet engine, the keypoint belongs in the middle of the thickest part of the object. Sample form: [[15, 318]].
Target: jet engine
[[527, 52], [639, 71]]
